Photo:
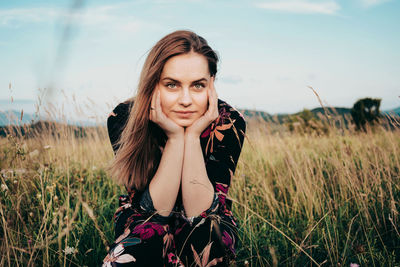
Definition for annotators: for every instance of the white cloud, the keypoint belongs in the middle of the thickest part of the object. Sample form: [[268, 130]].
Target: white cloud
[[13, 17], [102, 17], [328, 7], [370, 3]]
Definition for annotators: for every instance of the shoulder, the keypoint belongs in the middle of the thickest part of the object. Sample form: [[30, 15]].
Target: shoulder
[[120, 113], [116, 121], [229, 115], [226, 131], [122, 108]]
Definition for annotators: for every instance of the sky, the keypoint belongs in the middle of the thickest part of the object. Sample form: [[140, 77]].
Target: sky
[[91, 52]]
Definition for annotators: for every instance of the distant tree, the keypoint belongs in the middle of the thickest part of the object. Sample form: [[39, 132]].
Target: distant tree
[[306, 122], [365, 111]]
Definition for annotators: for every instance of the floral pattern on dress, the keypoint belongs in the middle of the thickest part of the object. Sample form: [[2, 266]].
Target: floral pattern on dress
[[209, 239], [116, 255]]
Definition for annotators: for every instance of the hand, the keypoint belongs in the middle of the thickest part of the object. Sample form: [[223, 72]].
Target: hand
[[157, 116], [209, 116]]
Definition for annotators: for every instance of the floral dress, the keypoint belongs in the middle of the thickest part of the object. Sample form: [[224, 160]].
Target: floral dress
[[145, 238]]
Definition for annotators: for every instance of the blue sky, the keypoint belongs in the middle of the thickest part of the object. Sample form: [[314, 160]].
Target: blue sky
[[270, 50]]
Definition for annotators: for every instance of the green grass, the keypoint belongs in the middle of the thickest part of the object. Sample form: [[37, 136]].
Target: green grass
[[301, 200]]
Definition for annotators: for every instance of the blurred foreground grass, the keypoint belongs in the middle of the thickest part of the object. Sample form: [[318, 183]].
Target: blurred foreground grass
[[301, 200]]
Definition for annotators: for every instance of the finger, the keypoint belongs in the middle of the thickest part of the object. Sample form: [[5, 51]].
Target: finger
[[153, 97], [158, 104], [211, 92], [213, 100], [213, 88], [216, 112]]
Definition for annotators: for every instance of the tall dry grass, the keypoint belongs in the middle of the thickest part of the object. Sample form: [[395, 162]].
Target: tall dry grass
[[301, 200], [328, 200]]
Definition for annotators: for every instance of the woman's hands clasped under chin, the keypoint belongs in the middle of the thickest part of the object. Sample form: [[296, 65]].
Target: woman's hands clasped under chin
[[208, 117], [171, 129]]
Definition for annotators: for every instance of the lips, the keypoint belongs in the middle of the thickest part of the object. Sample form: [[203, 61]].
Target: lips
[[184, 114]]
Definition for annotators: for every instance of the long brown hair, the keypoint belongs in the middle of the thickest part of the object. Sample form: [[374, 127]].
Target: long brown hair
[[138, 156]]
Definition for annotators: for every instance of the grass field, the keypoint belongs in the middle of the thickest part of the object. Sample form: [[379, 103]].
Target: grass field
[[301, 200]]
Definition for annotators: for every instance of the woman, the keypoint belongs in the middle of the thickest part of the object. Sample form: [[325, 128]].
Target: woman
[[176, 148]]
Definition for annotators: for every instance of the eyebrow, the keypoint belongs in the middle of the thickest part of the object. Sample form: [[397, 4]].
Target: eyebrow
[[199, 80]]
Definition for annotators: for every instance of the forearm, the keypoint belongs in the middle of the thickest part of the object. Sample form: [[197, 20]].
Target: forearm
[[164, 186], [197, 190]]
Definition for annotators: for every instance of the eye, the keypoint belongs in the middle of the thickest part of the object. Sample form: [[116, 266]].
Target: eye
[[171, 85], [199, 86]]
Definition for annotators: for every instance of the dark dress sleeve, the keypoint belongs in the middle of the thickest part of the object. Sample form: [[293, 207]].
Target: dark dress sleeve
[[222, 144], [225, 144], [116, 122]]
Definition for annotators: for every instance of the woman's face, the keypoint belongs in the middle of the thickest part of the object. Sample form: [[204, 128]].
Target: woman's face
[[183, 88]]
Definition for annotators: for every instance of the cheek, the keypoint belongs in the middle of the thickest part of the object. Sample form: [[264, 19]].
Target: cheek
[[203, 101], [165, 100]]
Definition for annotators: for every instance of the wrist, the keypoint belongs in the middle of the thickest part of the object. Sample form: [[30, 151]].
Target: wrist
[[177, 135], [176, 138], [191, 136]]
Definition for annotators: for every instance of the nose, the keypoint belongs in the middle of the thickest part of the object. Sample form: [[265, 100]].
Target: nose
[[185, 99]]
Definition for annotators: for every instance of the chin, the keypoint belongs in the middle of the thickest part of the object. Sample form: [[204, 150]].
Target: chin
[[185, 124]]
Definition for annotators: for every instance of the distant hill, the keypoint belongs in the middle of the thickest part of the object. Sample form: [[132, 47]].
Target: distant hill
[[393, 111], [333, 111], [13, 117], [343, 112], [281, 117], [255, 113], [36, 128]]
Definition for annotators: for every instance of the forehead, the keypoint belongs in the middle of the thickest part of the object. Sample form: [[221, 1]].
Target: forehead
[[186, 67]]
